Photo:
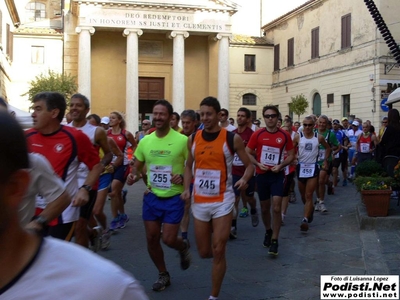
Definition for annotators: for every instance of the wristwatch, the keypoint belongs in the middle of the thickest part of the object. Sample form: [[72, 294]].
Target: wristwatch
[[86, 187]]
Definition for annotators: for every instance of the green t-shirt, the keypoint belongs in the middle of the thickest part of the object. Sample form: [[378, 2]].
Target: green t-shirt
[[163, 157], [331, 139]]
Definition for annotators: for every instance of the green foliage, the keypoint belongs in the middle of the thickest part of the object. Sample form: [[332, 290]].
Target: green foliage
[[298, 105], [373, 182], [369, 168], [52, 81]]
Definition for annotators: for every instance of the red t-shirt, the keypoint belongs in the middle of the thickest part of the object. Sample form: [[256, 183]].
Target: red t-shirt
[[269, 146], [237, 166]]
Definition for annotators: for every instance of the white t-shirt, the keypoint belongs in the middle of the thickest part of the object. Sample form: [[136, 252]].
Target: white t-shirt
[[230, 127], [43, 181], [62, 270]]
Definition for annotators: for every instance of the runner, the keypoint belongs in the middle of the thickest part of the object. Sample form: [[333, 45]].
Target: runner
[[65, 148], [124, 140], [325, 162], [290, 171], [268, 145], [308, 142], [211, 153], [340, 158], [188, 120], [79, 107], [238, 169], [164, 154], [366, 144]]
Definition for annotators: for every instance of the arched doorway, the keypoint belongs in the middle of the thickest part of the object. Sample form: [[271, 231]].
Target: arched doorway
[[317, 104]]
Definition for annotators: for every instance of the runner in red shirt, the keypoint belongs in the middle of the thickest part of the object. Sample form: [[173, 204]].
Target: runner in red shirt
[[65, 148], [266, 148]]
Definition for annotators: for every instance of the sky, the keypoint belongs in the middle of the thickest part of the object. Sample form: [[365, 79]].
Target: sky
[[247, 19]]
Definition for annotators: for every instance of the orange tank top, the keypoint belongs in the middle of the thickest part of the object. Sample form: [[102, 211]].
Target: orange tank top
[[213, 169]]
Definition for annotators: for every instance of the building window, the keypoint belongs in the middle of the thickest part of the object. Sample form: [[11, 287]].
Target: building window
[[290, 54], [249, 63], [315, 43], [346, 31], [276, 57], [249, 99], [330, 99], [317, 104], [37, 55], [35, 11], [346, 105]]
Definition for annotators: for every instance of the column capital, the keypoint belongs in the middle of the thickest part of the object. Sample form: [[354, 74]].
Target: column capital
[[175, 33], [219, 36], [79, 29], [128, 31]]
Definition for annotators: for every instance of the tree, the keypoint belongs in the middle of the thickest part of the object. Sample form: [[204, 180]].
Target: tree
[[53, 82], [298, 105]]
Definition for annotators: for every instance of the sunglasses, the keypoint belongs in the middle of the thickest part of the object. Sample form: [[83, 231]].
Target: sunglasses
[[145, 124], [223, 115], [271, 116], [384, 122], [308, 125]]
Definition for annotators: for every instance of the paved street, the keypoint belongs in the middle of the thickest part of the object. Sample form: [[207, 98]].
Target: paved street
[[334, 244]]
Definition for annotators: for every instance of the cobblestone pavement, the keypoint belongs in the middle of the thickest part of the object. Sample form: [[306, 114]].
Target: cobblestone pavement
[[334, 245]]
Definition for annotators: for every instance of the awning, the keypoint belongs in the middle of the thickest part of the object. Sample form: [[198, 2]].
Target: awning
[[394, 97], [24, 118]]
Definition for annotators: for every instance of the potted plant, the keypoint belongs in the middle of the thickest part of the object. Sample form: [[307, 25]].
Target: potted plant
[[375, 188]]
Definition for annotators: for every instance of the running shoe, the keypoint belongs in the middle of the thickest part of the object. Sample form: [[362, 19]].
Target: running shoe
[[95, 241], [304, 225], [317, 206], [273, 249], [322, 208], [105, 239], [185, 256], [124, 193], [344, 182], [123, 219], [267, 238], [292, 197], [114, 223], [233, 234], [162, 282], [254, 220], [244, 212]]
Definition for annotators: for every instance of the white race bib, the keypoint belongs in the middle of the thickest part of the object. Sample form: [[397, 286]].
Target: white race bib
[[306, 170], [321, 154], [364, 147], [160, 177], [237, 161], [337, 155], [269, 156], [207, 182]]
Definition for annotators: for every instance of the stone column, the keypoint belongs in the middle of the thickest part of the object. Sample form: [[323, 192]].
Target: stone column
[[178, 70], [132, 78], [223, 69], [84, 61]]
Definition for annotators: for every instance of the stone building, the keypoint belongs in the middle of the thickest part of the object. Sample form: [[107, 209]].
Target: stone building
[[332, 52]]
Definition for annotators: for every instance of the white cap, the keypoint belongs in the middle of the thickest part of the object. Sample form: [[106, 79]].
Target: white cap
[[355, 123], [105, 120]]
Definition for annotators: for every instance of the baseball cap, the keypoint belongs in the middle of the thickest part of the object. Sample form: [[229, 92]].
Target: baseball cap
[[105, 120], [355, 123], [344, 118], [336, 121]]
